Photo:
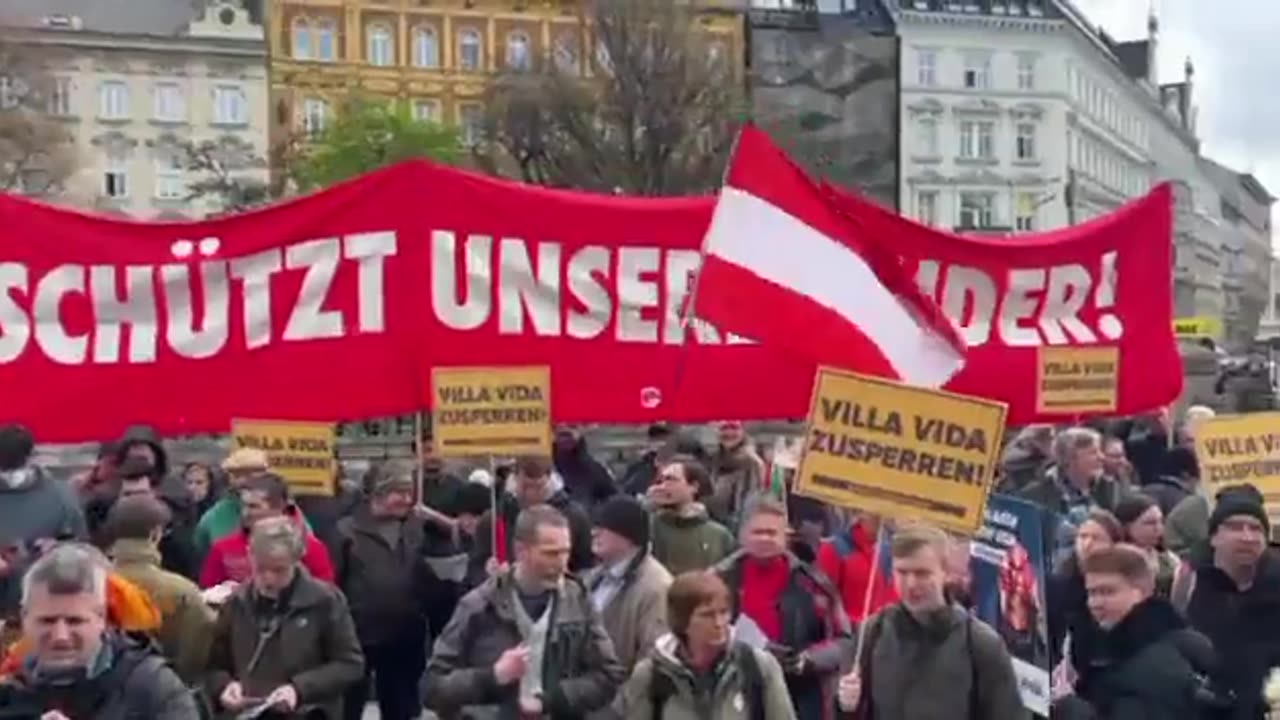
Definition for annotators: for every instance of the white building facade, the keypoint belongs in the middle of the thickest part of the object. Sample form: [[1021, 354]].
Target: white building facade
[[139, 83]]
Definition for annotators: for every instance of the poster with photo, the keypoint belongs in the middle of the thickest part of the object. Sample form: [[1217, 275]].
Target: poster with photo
[[1009, 570]]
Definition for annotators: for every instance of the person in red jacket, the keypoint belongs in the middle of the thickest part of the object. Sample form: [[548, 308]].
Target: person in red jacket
[[847, 561], [263, 496]]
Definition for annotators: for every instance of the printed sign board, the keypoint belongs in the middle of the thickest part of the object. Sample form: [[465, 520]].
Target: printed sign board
[[491, 410], [900, 451]]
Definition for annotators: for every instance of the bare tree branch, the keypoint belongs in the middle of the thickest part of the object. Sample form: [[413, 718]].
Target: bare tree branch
[[37, 154], [655, 116]]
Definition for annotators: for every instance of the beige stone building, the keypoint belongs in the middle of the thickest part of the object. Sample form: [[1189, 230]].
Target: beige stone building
[[139, 82]]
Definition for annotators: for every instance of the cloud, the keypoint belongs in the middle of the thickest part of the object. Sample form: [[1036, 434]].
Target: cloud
[[1234, 71]]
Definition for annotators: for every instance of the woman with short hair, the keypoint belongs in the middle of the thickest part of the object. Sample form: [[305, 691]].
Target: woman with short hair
[[698, 671]]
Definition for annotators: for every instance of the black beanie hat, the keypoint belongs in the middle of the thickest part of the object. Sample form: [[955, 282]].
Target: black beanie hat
[[1238, 500], [623, 515]]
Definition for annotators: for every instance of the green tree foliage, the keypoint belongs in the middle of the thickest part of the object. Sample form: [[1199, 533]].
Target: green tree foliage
[[365, 134]]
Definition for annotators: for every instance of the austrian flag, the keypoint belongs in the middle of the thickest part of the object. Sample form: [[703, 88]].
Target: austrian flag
[[783, 266]]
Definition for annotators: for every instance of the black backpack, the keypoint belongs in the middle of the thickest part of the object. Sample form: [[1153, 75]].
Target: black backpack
[[662, 687]]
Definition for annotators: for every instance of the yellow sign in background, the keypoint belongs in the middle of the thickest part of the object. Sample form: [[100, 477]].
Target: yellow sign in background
[[900, 451], [491, 410], [1204, 326], [300, 452], [1077, 380], [1235, 449]]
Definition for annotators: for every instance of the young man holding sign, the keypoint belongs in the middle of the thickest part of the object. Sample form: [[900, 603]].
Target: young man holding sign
[[925, 658]]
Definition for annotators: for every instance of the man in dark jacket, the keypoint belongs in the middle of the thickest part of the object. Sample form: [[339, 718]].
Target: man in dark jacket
[[137, 476], [35, 511], [78, 668], [587, 481], [285, 639], [792, 606], [528, 642], [1075, 485], [533, 486], [1233, 596], [1140, 660], [381, 568], [639, 475], [1179, 477]]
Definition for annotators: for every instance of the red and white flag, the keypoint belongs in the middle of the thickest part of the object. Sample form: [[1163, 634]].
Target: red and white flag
[[783, 266]]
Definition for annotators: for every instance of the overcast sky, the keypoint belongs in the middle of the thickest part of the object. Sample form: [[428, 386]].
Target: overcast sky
[[1230, 42]]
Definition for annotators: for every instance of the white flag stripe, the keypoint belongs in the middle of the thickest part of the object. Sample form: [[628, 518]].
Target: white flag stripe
[[776, 246]]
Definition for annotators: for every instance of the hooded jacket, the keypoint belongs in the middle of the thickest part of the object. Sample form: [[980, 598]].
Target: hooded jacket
[[722, 696], [36, 508], [689, 539], [951, 666], [1150, 665]]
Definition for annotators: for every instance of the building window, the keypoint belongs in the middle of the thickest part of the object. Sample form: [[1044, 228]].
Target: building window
[[315, 115], [113, 99], [426, 110], [977, 210], [927, 137], [302, 49], [381, 50], [604, 60], [977, 71], [565, 54], [11, 92], [470, 55], [927, 67], [115, 175], [326, 40], [1024, 217], [60, 96], [1026, 72], [518, 55], [1025, 142], [977, 140], [426, 47], [171, 183], [471, 122], [927, 207], [168, 103], [229, 105]]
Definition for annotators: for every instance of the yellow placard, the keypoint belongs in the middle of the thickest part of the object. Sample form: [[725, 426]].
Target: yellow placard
[[900, 451], [300, 452], [491, 410], [1192, 328], [1077, 380], [1235, 449]]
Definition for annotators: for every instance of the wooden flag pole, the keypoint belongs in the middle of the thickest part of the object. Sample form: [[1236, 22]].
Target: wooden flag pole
[[866, 598]]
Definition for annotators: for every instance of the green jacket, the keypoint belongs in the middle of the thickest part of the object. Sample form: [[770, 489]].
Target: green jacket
[[186, 622], [689, 540]]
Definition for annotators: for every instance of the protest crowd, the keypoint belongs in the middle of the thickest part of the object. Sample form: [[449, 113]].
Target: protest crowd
[[981, 520], [692, 585]]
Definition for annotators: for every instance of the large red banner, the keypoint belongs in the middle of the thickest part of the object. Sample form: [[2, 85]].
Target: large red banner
[[335, 307]]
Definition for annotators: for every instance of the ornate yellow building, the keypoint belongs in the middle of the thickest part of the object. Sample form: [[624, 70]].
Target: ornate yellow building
[[435, 55]]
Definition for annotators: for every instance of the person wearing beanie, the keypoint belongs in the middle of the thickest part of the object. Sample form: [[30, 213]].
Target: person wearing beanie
[[381, 568], [1229, 590], [628, 587]]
